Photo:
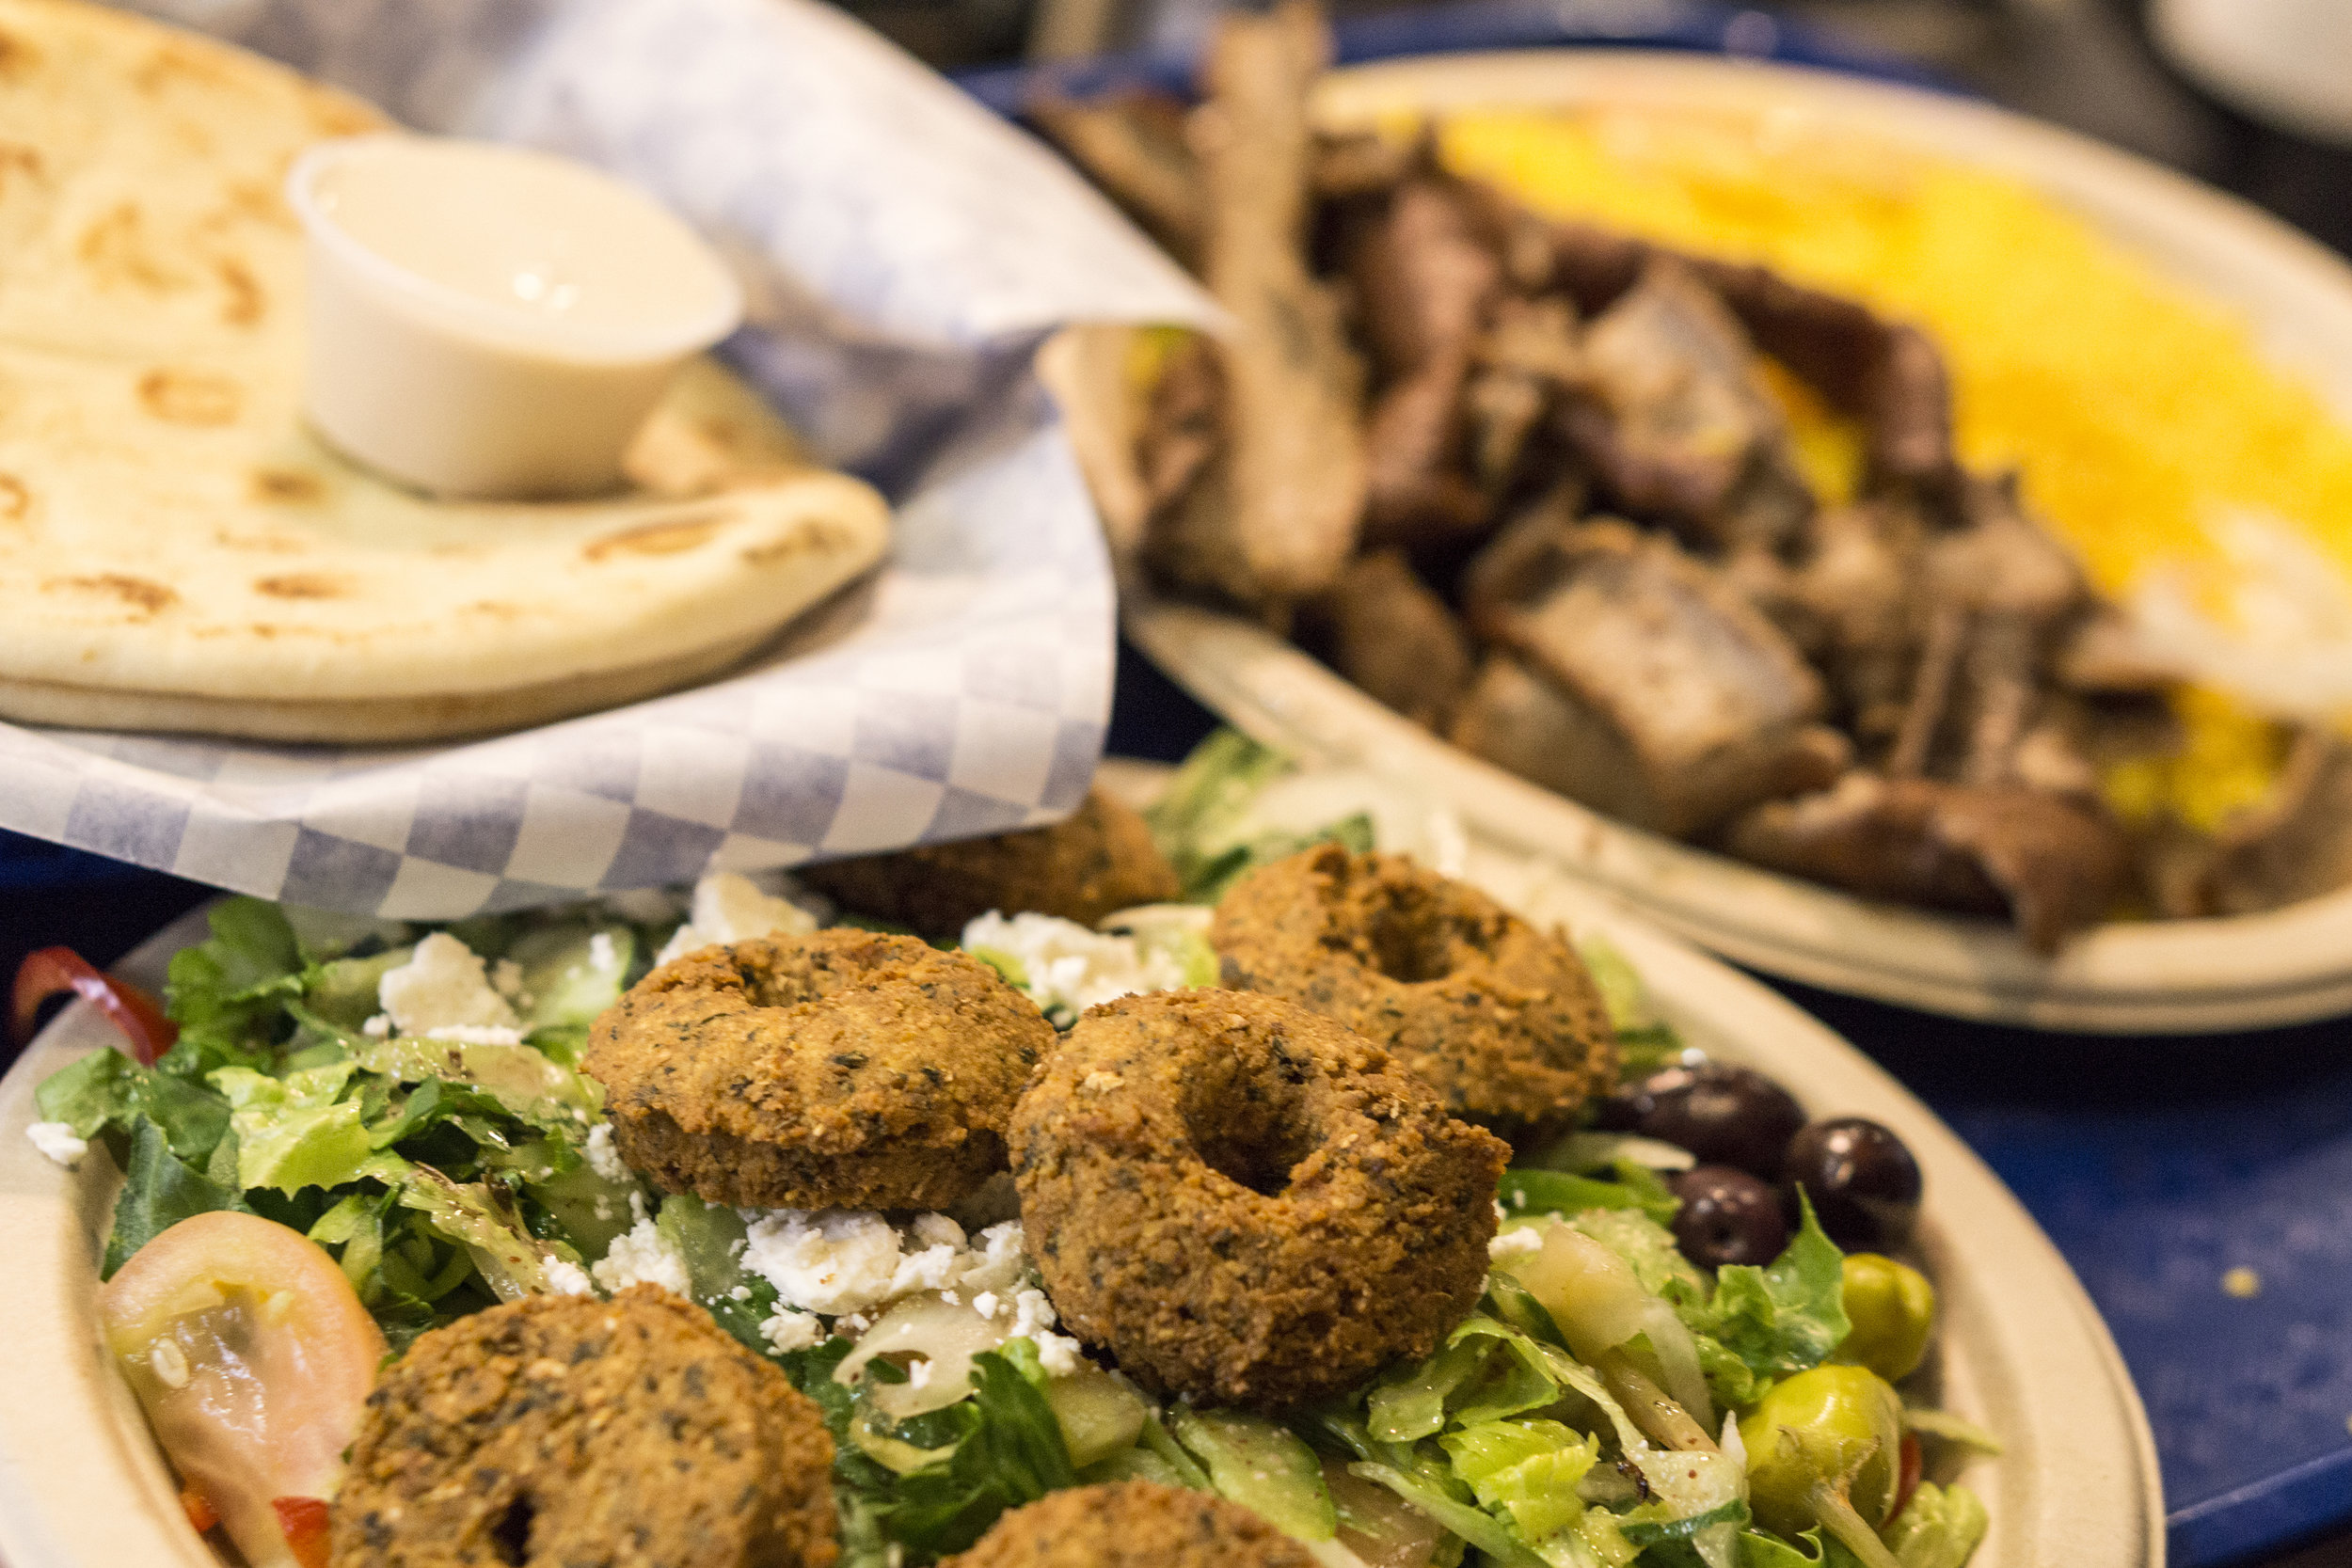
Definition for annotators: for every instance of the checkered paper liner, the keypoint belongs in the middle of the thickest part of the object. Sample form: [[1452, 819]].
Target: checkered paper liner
[[905, 251]]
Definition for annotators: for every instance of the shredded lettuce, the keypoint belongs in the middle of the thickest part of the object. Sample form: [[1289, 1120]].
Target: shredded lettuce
[[1262, 1465], [1525, 1471], [1786, 1316], [1939, 1528], [296, 1130]]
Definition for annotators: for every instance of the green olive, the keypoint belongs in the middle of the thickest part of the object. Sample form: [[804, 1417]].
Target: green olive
[[1892, 1307], [1841, 1426]]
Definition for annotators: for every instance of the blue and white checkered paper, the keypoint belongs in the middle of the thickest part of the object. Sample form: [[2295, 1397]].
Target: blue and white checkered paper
[[905, 251]]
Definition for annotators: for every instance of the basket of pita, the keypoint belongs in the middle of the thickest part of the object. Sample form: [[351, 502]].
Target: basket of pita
[[214, 627]]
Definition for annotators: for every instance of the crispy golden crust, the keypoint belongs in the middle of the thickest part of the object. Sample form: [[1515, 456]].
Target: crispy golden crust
[[1133, 1524], [1245, 1202], [842, 1069], [563, 1432], [1500, 1018], [1099, 860]]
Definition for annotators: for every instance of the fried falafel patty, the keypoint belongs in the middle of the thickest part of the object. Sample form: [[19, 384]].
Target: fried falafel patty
[[564, 1432], [1501, 1019], [1133, 1524], [1099, 860], [841, 1068], [1245, 1202]]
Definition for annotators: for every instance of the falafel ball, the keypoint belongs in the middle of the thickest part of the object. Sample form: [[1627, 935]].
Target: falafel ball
[[1133, 1524], [1501, 1019], [1099, 860], [839, 1069], [564, 1432], [1245, 1202]]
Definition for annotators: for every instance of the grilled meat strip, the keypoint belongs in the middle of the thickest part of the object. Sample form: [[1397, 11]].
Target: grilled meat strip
[[1710, 707]]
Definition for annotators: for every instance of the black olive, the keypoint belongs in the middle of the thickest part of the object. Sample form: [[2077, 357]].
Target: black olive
[[1864, 1183], [1724, 1114], [1728, 1217]]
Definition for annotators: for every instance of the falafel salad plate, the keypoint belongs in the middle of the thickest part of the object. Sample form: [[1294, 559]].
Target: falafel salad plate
[[1254, 1170]]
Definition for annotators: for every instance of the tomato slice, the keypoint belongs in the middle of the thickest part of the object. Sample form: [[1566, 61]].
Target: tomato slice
[[53, 971], [252, 1357]]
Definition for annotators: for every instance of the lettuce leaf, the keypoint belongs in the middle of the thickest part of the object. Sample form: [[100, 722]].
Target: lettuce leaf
[[1939, 1528], [226, 992], [1525, 1472], [106, 1089], [158, 1192], [294, 1132], [1262, 1465], [1783, 1317]]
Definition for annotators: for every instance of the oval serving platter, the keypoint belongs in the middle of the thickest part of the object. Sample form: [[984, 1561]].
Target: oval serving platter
[[2022, 1350], [2288, 966]]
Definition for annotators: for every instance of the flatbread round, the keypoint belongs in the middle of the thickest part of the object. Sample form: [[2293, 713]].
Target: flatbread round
[[177, 552]]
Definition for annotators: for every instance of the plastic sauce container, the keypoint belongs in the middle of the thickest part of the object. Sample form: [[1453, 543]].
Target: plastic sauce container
[[490, 322]]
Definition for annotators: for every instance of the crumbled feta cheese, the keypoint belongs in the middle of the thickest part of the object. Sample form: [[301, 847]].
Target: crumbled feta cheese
[[937, 1230], [643, 1256], [442, 986], [931, 1269], [1516, 1241], [988, 1304], [1058, 1353], [602, 1157], [566, 1278], [729, 907], [1069, 967], [832, 1262], [474, 1033], [600, 951], [1032, 1314], [739, 1293], [1004, 1259], [789, 1331], [378, 1027], [56, 1140]]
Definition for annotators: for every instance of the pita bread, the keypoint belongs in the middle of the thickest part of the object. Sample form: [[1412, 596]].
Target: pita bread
[[176, 551]]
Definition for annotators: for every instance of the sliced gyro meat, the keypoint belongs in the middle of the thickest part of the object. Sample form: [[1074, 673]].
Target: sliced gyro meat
[[1676, 421], [1886, 375], [1395, 639], [1183, 422], [564, 1432], [1526, 363], [2051, 865], [1276, 514], [1097, 860], [842, 1069], [1131, 144], [1245, 1202], [1710, 707], [1425, 282]]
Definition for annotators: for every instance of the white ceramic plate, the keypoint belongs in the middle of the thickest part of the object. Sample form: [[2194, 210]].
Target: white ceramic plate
[[2173, 976], [2022, 1350]]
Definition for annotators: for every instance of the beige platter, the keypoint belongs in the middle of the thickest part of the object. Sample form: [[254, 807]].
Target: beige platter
[[2022, 1350], [2290, 966]]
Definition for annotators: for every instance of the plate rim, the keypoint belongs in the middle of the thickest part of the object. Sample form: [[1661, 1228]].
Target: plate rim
[[2158, 977]]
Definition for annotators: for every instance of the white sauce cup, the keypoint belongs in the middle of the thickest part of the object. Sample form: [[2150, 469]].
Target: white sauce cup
[[490, 322]]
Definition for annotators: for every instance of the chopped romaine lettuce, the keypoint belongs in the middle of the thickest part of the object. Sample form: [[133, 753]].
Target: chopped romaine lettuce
[[1938, 1528], [1262, 1465]]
